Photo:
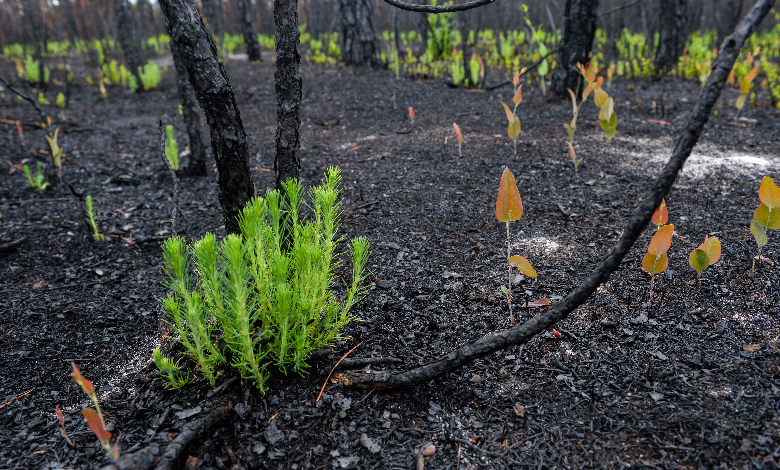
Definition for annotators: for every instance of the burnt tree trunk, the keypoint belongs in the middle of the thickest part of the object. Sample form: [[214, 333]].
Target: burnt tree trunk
[[198, 54], [579, 28], [212, 10], [197, 162], [671, 40], [127, 34], [287, 81], [732, 11], [359, 39], [250, 31]]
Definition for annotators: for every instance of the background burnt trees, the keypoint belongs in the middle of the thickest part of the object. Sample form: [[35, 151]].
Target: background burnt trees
[[671, 42], [249, 30], [579, 29], [36, 29], [197, 162], [212, 10], [198, 55], [359, 39], [127, 35], [287, 81]]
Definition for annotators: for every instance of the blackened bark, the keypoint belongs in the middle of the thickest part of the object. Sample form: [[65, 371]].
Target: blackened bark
[[127, 34], [732, 11], [212, 9], [198, 54], [671, 40], [359, 39], [197, 163], [250, 31], [579, 29], [287, 81], [522, 333]]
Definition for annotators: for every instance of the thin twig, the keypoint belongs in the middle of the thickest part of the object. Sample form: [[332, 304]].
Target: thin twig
[[173, 177], [334, 368], [616, 9], [25, 97], [14, 399]]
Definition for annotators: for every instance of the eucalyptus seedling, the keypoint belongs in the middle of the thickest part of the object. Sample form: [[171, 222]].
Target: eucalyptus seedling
[[765, 217], [94, 417], [707, 254], [656, 260]]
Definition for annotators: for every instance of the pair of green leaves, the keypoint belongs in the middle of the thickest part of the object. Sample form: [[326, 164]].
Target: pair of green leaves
[[707, 254], [509, 207]]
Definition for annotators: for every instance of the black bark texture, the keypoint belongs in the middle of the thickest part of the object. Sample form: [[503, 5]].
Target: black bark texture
[[522, 333], [127, 34], [198, 54], [197, 162], [437, 8], [359, 39], [287, 81], [249, 30], [212, 10], [579, 29], [672, 32]]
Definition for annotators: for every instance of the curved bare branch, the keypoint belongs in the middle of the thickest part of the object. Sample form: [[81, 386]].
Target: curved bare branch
[[438, 8]]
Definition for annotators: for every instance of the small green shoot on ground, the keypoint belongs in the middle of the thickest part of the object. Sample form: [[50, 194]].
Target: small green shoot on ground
[[745, 86], [172, 373], [96, 235], [765, 217], [656, 261], [171, 147], [35, 181], [56, 150], [707, 254], [94, 417], [513, 130], [509, 207]]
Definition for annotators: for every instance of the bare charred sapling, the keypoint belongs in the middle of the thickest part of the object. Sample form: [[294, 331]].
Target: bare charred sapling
[[671, 40], [359, 40], [198, 54], [249, 30], [287, 81], [579, 28], [197, 163], [127, 35]]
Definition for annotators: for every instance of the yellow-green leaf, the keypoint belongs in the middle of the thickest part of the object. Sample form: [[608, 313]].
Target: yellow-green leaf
[[523, 265], [741, 101], [769, 218], [600, 97], [509, 207], [769, 193], [712, 247], [759, 232], [699, 259], [514, 128], [510, 116], [655, 264]]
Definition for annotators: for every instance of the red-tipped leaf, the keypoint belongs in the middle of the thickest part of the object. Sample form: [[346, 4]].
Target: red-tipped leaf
[[96, 424], [85, 384]]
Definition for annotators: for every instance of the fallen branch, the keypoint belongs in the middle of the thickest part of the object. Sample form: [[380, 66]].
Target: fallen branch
[[439, 8], [21, 94], [12, 245], [522, 333]]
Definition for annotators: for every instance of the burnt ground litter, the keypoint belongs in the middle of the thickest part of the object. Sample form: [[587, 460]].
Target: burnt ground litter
[[691, 382]]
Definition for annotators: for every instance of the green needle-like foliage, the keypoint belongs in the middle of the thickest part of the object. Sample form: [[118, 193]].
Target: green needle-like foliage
[[266, 293], [174, 377]]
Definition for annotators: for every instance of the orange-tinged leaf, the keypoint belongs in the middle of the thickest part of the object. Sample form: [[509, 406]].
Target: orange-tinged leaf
[[769, 218], [411, 113], [59, 415], [699, 260], [96, 424], [572, 155], [523, 265], [85, 384], [712, 246], [655, 264], [516, 78], [514, 128], [510, 116], [600, 97], [458, 133], [661, 215], [542, 302], [751, 75], [661, 241], [769, 193], [518, 98], [509, 207]]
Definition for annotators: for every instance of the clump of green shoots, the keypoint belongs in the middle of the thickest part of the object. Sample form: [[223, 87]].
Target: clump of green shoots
[[265, 293], [172, 374], [707, 254], [35, 181], [765, 217], [96, 235], [509, 207], [656, 260], [60, 101], [511, 114], [56, 150], [171, 147], [94, 417]]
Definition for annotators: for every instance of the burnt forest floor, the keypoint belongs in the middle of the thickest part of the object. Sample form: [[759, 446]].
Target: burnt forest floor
[[693, 382]]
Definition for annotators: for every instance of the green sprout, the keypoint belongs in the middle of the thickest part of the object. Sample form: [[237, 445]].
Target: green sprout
[[56, 151], [171, 371], [96, 235], [171, 147], [35, 181]]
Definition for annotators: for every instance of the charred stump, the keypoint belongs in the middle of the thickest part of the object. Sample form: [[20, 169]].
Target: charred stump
[[671, 40], [579, 29], [198, 55]]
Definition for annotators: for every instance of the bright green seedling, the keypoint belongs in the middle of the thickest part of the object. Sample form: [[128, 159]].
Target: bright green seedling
[[35, 181], [96, 235], [56, 150], [509, 207], [265, 294], [171, 147], [766, 216], [94, 417], [173, 375], [60, 101], [744, 90], [707, 254], [656, 260], [606, 105]]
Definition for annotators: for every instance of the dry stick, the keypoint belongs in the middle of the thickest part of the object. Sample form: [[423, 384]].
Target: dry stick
[[24, 96], [522, 333], [618, 8], [437, 9], [173, 177], [334, 368]]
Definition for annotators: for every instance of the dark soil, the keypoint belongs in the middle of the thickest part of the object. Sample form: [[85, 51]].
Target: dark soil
[[693, 382]]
